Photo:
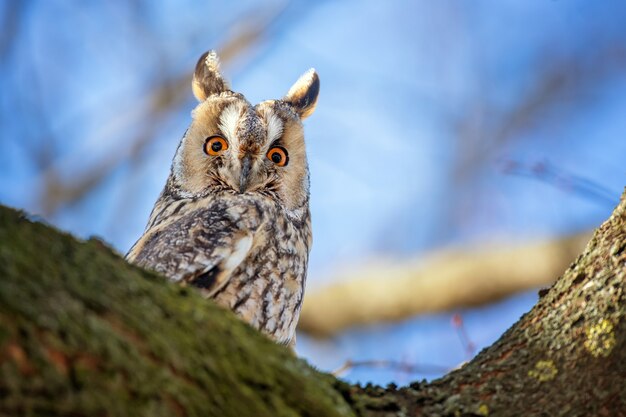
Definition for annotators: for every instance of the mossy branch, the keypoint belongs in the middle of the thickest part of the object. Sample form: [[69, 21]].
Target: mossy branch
[[82, 333]]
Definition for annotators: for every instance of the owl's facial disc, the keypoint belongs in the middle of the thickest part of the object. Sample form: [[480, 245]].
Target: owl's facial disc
[[247, 149]]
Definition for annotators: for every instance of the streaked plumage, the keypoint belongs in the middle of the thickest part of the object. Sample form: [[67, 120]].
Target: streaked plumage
[[233, 219]]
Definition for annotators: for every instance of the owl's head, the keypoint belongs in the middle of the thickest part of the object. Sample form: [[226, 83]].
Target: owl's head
[[238, 147]]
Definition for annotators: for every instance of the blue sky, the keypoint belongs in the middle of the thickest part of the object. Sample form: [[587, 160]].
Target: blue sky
[[422, 105]]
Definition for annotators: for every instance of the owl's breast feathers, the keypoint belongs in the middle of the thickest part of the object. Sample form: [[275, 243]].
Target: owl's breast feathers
[[241, 250]]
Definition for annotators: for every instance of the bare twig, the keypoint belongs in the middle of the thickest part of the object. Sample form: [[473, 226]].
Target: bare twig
[[546, 172], [468, 346], [480, 137], [400, 366]]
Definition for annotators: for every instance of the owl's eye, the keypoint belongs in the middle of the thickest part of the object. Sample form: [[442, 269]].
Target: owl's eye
[[278, 155], [215, 145]]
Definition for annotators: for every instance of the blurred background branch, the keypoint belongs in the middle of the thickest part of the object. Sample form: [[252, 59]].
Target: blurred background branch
[[166, 97], [440, 281]]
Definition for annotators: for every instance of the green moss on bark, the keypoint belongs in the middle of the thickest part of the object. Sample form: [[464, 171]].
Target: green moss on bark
[[83, 333]]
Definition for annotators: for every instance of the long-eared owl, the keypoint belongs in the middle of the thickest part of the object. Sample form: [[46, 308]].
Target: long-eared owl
[[233, 219]]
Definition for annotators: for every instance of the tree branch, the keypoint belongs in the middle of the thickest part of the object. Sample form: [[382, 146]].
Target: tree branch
[[83, 333]]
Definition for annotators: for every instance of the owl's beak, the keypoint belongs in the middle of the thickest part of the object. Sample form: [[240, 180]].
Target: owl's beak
[[246, 163]]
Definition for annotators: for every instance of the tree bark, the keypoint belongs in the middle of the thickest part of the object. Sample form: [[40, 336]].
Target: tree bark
[[82, 333]]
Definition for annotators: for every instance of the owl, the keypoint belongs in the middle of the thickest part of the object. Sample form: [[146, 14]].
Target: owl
[[233, 218]]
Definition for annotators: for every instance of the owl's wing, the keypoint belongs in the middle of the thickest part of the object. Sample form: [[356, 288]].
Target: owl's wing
[[202, 248], [211, 271]]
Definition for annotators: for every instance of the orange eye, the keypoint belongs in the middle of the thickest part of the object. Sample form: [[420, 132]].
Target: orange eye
[[215, 145], [278, 155]]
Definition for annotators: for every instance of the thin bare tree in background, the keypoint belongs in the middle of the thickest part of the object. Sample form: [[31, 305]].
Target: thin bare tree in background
[[167, 96]]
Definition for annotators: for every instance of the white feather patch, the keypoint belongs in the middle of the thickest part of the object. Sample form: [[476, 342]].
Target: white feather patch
[[242, 247], [274, 127], [229, 119]]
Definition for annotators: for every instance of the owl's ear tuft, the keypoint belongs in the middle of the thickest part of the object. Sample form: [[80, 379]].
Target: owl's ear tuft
[[207, 79], [302, 96]]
